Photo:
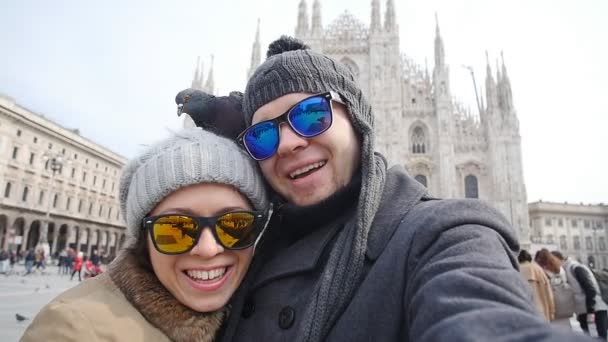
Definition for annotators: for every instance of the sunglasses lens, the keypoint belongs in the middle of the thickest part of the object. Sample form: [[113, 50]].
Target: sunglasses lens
[[174, 234], [311, 117], [262, 140], [236, 230]]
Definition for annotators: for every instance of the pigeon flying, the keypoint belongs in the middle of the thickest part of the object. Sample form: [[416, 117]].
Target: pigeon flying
[[220, 114]]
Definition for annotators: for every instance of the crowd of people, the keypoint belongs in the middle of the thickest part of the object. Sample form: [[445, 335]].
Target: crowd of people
[[68, 262], [563, 287]]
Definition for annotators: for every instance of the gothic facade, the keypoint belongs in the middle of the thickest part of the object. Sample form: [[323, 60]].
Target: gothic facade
[[418, 123]]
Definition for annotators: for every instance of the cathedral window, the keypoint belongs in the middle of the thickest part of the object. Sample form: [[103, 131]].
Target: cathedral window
[[421, 179], [563, 243], [471, 187], [418, 141]]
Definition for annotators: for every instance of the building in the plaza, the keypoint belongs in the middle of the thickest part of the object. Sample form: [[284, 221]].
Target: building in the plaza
[[46, 168], [418, 123], [577, 230]]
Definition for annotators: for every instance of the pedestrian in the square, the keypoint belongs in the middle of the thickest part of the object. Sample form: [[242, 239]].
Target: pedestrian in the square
[[30, 260], [77, 268]]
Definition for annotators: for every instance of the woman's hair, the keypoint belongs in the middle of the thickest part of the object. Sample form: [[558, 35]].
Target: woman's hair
[[548, 261], [139, 249], [524, 256]]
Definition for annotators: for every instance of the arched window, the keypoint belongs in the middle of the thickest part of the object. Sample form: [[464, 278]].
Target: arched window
[[421, 179], [471, 187], [563, 243], [418, 140], [7, 190]]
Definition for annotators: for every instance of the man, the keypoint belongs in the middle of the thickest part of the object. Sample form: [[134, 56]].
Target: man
[[588, 301], [356, 251]]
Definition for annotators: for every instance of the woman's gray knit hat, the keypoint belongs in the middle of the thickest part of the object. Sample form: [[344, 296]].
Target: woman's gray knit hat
[[291, 67], [189, 157]]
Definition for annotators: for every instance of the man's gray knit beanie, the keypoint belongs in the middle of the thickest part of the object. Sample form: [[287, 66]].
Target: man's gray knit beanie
[[293, 68], [189, 157], [296, 68]]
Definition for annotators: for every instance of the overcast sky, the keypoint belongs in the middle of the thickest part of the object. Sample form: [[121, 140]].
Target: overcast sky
[[112, 68]]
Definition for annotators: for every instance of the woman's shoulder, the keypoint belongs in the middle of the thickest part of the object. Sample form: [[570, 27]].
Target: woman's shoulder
[[93, 310]]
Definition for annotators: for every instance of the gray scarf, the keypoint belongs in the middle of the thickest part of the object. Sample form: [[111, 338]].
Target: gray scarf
[[344, 267]]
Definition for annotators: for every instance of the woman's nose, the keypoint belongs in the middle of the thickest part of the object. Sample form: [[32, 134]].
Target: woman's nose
[[206, 246]]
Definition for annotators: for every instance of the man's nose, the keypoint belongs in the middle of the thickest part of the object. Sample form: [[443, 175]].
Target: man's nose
[[289, 141]]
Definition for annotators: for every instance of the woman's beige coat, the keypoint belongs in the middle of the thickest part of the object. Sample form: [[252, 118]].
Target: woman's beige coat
[[126, 303], [541, 288]]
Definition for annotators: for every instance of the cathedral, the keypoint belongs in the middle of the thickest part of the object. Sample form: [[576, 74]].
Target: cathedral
[[419, 125]]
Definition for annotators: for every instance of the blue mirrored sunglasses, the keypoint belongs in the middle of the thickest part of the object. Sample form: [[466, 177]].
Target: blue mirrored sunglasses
[[308, 118]]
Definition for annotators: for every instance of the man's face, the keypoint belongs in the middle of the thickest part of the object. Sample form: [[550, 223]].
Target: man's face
[[306, 171]]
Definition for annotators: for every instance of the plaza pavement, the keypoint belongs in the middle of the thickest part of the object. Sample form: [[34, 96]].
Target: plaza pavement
[[26, 295]]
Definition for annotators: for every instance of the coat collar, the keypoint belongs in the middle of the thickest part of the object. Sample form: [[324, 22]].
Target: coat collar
[[145, 292], [401, 193], [308, 250]]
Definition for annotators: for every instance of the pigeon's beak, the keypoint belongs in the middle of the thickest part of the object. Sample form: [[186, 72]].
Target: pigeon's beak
[[179, 109]]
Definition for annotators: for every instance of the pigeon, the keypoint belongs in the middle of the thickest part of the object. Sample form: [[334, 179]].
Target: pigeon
[[20, 318], [222, 115]]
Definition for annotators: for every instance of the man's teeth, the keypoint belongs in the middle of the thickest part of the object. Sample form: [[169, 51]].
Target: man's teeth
[[305, 169], [206, 275]]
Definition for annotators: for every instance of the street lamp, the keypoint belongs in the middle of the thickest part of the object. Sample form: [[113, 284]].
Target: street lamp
[[55, 162]]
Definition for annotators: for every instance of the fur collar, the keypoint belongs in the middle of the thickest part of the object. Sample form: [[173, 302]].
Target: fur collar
[[143, 290]]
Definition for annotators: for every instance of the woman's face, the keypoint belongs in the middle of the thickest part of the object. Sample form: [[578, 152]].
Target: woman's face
[[224, 269]]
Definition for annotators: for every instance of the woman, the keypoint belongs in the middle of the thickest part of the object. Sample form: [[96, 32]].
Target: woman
[[80, 258], [563, 295], [195, 207], [541, 289]]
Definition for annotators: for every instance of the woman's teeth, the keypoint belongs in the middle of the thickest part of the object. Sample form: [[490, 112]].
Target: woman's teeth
[[305, 169], [206, 275]]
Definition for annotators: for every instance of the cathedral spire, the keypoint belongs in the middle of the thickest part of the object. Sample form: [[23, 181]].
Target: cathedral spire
[[302, 27], [375, 20], [390, 21], [317, 25], [197, 81], [439, 50], [210, 85], [490, 85], [507, 96], [256, 52]]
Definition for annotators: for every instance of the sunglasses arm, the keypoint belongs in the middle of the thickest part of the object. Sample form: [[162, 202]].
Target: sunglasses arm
[[270, 210]]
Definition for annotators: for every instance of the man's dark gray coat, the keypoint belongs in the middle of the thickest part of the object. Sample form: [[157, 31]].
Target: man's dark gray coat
[[435, 270]]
